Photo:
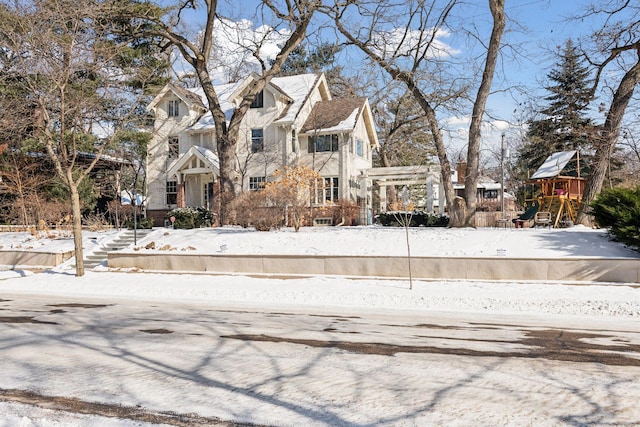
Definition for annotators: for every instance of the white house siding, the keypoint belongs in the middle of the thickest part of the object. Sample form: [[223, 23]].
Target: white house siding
[[278, 118], [158, 160], [265, 163]]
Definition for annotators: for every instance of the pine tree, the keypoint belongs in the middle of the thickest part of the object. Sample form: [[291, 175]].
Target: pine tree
[[320, 58], [564, 125]]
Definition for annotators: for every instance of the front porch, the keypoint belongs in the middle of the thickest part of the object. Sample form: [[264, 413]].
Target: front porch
[[195, 183]]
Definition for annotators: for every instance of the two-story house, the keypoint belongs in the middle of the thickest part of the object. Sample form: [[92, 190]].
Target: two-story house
[[293, 121]]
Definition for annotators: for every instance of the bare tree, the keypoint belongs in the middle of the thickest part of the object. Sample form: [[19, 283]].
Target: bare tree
[[407, 52], [619, 41], [295, 16], [22, 177], [79, 79]]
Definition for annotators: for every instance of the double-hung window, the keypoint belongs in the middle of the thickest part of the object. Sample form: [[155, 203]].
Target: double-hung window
[[172, 192], [257, 140], [326, 190], [174, 108], [258, 102], [256, 183]]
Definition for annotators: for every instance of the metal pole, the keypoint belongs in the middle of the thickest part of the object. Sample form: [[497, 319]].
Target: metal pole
[[135, 220], [502, 176]]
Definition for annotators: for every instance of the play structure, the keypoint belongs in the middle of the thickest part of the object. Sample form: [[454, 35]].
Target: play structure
[[556, 190]]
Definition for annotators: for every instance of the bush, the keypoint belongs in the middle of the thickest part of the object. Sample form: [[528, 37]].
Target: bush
[[252, 209], [343, 212], [190, 217], [419, 219], [142, 223], [618, 209]]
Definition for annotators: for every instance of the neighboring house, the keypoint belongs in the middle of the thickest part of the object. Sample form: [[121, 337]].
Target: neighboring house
[[487, 193], [293, 121]]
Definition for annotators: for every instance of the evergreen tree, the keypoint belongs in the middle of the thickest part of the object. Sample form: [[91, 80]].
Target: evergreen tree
[[320, 59], [564, 125]]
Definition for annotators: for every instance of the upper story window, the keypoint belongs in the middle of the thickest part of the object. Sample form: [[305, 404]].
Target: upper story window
[[359, 147], [174, 147], [257, 140], [323, 143], [258, 102], [174, 108]]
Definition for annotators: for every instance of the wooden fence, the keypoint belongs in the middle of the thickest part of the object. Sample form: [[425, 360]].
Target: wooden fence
[[491, 219]]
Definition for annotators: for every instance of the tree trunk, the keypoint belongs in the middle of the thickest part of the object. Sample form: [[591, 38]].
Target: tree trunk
[[473, 148], [76, 218], [611, 132], [226, 151]]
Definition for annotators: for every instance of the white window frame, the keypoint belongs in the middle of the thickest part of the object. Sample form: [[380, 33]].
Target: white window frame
[[327, 190], [171, 189], [359, 148], [257, 183], [257, 140], [330, 141], [258, 101], [173, 109]]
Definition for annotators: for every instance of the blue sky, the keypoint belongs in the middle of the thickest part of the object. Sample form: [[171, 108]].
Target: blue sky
[[535, 30]]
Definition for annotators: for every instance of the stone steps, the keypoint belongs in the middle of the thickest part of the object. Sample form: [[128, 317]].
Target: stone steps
[[123, 240]]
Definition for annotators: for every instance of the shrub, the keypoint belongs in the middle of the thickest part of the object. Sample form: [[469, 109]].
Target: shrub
[[419, 219], [618, 209], [252, 209], [141, 223], [190, 217], [291, 191], [96, 222]]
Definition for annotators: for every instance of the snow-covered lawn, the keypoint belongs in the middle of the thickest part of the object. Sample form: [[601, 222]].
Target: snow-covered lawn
[[616, 304]]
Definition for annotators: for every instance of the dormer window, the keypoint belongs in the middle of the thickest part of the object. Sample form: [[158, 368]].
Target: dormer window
[[174, 108], [258, 102]]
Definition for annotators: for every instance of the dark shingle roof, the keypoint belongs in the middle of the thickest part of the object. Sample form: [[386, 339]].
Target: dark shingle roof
[[328, 114], [187, 94]]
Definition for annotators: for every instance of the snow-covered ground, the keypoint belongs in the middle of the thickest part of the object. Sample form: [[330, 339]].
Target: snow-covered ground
[[577, 241], [534, 297], [589, 303]]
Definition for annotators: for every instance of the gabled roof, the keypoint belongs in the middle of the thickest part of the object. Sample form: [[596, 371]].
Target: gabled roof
[[299, 88], [334, 115], [222, 91], [554, 164], [293, 89], [187, 96], [208, 157], [242, 87], [340, 115]]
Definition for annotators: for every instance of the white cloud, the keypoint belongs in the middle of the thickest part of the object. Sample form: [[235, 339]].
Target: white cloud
[[237, 43], [402, 42], [458, 120]]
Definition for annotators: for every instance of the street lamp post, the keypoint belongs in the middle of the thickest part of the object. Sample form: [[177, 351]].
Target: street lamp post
[[502, 156]]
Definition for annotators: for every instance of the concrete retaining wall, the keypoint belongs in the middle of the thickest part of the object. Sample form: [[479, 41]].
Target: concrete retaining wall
[[587, 269], [35, 259]]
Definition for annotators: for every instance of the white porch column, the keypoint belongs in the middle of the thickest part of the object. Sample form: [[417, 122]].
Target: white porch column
[[365, 196], [429, 192], [383, 195]]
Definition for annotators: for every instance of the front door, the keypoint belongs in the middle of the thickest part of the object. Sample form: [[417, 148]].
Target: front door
[[207, 195]]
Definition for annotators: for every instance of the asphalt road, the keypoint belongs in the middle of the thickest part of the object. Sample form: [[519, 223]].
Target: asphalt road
[[105, 356]]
